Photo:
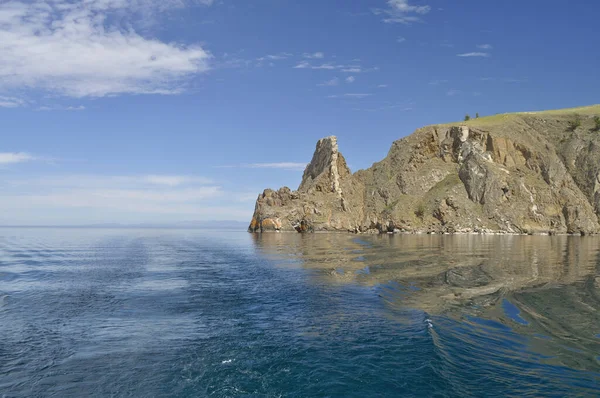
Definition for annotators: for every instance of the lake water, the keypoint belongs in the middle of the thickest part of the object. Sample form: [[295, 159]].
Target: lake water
[[191, 313]]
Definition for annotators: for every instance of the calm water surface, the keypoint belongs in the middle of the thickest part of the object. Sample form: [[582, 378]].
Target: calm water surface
[[189, 313]]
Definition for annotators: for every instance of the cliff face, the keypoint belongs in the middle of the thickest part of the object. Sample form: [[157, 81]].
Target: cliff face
[[516, 173]]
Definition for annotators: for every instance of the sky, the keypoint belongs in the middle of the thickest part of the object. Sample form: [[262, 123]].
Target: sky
[[162, 111]]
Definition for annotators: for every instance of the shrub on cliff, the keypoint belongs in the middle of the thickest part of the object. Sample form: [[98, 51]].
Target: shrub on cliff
[[574, 124], [596, 123], [420, 212]]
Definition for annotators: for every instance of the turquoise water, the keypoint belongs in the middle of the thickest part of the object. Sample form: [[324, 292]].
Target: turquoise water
[[190, 313]]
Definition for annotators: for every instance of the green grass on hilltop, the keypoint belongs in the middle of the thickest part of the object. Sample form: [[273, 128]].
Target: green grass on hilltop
[[504, 117]]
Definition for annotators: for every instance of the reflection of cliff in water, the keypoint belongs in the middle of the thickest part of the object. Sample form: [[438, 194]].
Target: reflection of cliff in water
[[546, 288], [442, 269]]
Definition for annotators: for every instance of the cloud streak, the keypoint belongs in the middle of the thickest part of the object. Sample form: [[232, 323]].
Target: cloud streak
[[351, 95], [474, 54], [15, 157]]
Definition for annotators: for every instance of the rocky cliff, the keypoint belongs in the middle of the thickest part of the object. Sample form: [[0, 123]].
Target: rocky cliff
[[536, 172]]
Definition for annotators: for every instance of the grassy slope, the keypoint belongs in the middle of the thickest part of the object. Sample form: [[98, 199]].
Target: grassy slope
[[505, 117]]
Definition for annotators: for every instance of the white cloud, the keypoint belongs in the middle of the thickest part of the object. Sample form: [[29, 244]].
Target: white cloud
[[350, 79], [474, 54], [485, 46], [401, 40], [317, 55], [382, 86], [350, 95], [11, 102], [333, 82], [15, 157], [88, 49], [452, 93], [400, 11]]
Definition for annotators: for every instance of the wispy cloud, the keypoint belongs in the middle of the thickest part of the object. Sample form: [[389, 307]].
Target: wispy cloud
[[317, 55], [352, 68], [513, 80], [333, 82], [187, 201], [121, 182], [474, 54], [437, 82], [275, 57], [63, 47], [62, 108], [11, 102], [485, 46], [350, 95], [401, 11], [350, 79], [308, 65], [358, 69], [382, 86], [505, 80], [15, 157], [452, 93], [281, 165], [401, 39], [174, 180]]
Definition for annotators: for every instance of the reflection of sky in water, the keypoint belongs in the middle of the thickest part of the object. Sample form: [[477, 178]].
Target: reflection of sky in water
[[513, 312]]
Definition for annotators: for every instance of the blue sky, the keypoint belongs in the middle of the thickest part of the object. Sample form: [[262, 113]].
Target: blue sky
[[163, 111]]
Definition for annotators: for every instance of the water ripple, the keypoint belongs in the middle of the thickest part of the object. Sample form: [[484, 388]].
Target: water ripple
[[201, 313]]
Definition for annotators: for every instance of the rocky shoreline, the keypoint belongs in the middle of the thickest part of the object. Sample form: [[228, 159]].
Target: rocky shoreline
[[519, 174]]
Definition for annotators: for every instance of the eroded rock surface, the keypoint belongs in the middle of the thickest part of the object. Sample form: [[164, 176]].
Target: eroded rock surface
[[519, 173]]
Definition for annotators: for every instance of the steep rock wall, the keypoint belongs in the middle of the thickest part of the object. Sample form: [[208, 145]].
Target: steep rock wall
[[523, 173]]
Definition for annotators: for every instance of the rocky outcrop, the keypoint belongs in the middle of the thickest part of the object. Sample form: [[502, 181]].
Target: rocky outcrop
[[518, 173]]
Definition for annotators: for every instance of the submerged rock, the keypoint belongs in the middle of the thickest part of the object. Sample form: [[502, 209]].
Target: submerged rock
[[519, 173]]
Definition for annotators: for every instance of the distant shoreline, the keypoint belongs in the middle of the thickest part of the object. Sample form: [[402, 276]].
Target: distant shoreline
[[232, 228]]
